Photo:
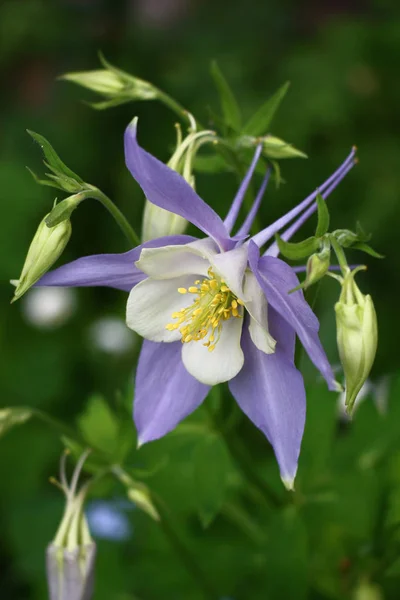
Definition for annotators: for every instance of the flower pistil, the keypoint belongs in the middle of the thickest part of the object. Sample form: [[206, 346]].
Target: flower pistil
[[214, 304]]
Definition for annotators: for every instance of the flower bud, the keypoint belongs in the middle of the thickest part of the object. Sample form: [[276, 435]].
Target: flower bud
[[46, 247], [157, 221], [357, 336], [70, 558], [276, 148], [116, 86], [317, 266]]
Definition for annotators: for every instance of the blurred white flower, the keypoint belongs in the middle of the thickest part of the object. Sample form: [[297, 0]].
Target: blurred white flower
[[49, 307], [111, 335], [107, 521]]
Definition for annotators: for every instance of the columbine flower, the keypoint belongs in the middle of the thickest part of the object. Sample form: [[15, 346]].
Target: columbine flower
[[229, 306]]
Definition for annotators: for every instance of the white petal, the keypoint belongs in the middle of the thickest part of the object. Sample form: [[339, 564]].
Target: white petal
[[151, 304], [231, 267], [257, 306], [173, 261], [223, 363]]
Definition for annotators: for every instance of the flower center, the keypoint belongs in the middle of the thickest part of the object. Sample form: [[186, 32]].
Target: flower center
[[214, 304]]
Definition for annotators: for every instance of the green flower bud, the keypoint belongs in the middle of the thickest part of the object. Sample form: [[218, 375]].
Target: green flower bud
[[317, 266], [357, 336], [46, 247], [113, 84], [70, 558], [276, 148], [157, 221]]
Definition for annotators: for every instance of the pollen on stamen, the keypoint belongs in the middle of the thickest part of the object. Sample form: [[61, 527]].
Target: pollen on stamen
[[182, 290], [193, 289]]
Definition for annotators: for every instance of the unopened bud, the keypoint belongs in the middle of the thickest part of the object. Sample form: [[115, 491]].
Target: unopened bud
[[317, 266], [70, 558], [114, 84], [157, 221], [46, 247], [276, 148], [357, 336]]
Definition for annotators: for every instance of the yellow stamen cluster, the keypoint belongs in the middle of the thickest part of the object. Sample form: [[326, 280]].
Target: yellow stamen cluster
[[214, 304]]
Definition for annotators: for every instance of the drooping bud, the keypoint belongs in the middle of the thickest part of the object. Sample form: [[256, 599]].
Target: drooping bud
[[46, 247], [70, 558], [357, 335], [157, 221]]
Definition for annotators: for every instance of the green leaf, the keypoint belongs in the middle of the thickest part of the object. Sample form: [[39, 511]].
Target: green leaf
[[230, 108], [44, 181], [259, 123], [211, 466], [366, 248], [299, 250], [99, 425], [52, 157], [323, 217], [10, 417], [361, 234]]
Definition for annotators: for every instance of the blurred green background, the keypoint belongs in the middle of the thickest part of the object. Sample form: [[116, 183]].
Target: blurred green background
[[336, 537]]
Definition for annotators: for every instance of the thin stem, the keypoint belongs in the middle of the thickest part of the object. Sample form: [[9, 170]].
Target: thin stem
[[340, 255], [174, 105], [119, 217], [243, 521]]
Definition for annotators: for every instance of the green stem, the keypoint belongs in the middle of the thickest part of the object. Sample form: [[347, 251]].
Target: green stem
[[119, 217], [340, 255], [173, 105], [242, 520]]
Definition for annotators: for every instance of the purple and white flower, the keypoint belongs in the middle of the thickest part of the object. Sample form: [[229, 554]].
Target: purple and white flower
[[213, 310]]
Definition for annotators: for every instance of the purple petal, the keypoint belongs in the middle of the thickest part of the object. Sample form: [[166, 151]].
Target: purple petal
[[282, 332], [166, 188], [238, 200], [109, 270], [165, 393], [276, 279], [270, 391]]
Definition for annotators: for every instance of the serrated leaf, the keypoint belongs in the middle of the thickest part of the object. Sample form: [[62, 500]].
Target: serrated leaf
[[299, 250], [99, 425], [258, 124], [367, 249], [230, 108], [52, 157], [11, 417], [211, 465], [323, 217]]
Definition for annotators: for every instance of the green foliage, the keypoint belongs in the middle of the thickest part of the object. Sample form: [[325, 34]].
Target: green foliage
[[259, 123], [229, 106]]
